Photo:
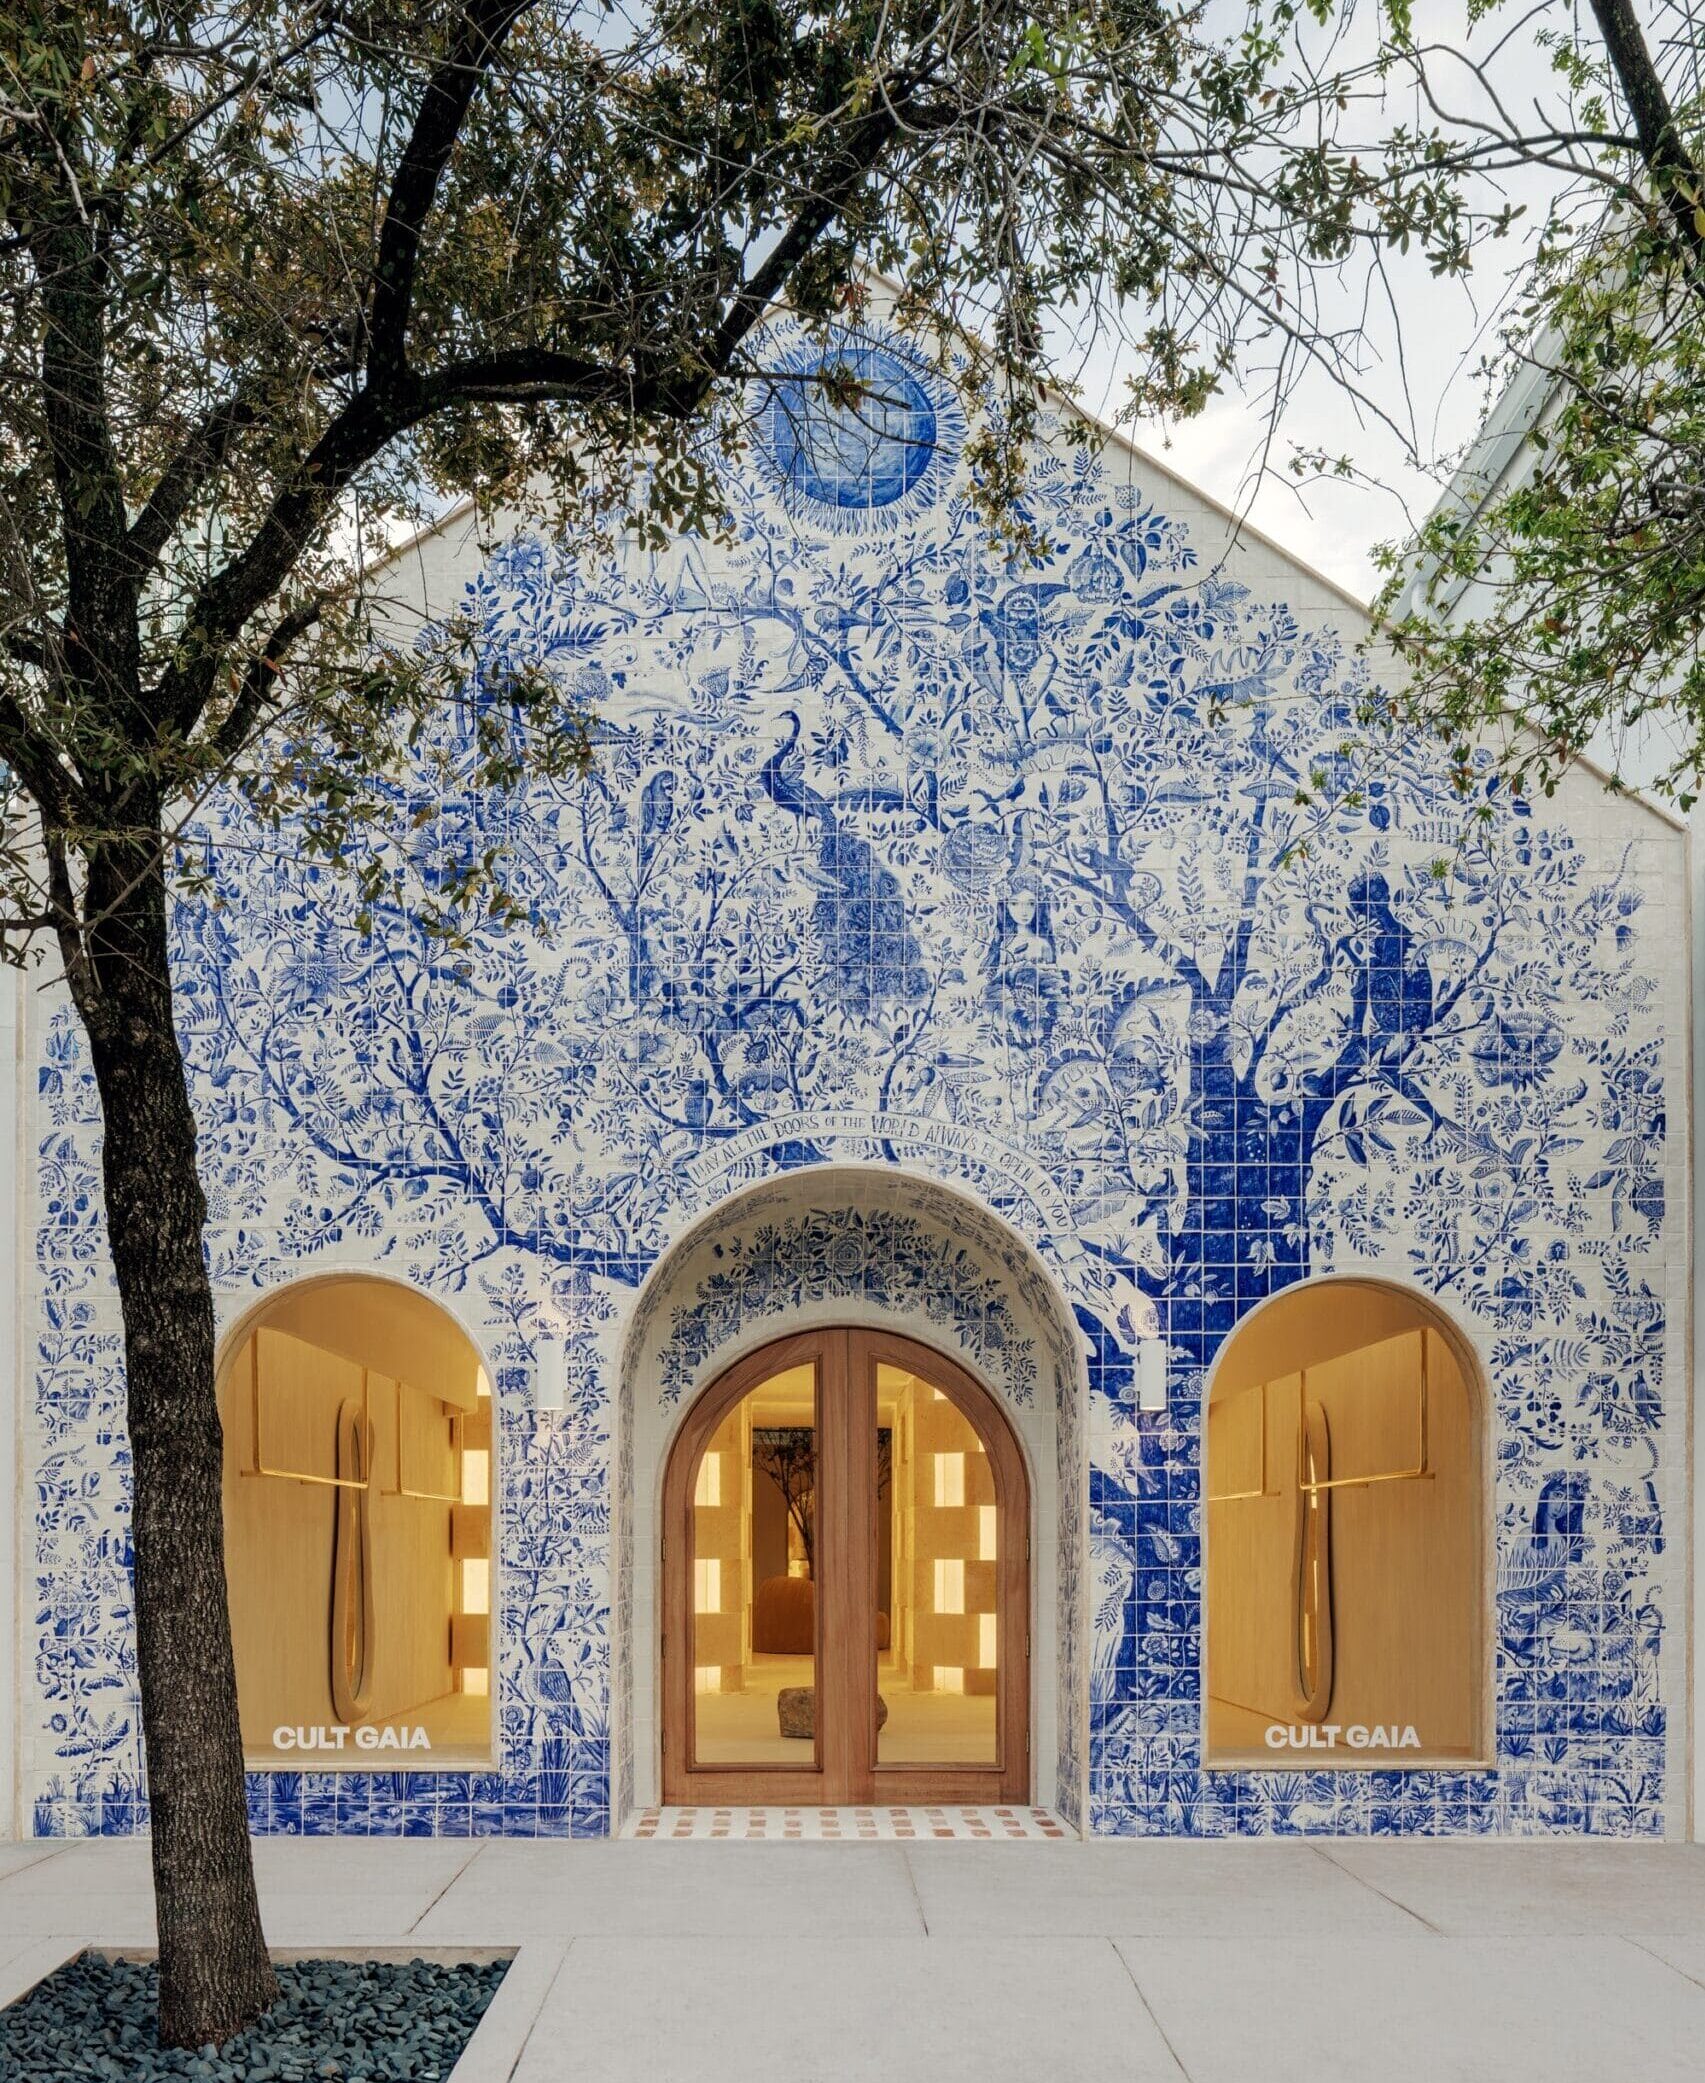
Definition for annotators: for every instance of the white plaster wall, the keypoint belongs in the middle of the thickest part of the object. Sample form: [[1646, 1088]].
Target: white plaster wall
[[12, 1513], [1638, 757]]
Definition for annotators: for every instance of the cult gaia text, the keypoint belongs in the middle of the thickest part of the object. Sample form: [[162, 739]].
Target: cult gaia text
[[1329, 1735]]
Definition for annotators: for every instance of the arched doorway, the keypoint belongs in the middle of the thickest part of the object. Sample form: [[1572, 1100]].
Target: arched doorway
[[846, 1599], [1346, 1538], [358, 1439]]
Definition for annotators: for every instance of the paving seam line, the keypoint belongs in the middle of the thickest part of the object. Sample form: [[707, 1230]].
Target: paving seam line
[[912, 1882], [1153, 2017], [1362, 1881], [1640, 1945], [448, 1885]]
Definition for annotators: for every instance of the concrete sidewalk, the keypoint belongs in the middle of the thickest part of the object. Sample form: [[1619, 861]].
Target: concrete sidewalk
[[1041, 1963]]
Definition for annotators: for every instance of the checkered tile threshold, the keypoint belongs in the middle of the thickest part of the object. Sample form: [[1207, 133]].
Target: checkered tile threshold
[[849, 1825]]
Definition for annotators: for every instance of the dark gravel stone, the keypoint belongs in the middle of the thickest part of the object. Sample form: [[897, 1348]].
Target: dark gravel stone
[[338, 2021]]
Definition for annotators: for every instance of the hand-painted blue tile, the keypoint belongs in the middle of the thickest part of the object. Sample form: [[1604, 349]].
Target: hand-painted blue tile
[[883, 827]]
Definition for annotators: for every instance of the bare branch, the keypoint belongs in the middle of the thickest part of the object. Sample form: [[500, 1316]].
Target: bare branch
[[261, 683], [187, 475]]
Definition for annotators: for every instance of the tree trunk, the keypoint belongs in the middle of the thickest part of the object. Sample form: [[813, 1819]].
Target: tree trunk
[[215, 1975]]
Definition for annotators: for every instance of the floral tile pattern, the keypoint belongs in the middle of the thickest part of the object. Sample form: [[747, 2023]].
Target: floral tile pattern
[[834, 1244], [1052, 883], [885, 1259]]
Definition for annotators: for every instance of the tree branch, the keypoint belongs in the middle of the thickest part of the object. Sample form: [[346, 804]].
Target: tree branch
[[256, 695], [1674, 174], [520, 375], [438, 124], [241, 588], [35, 758], [203, 451], [829, 198], [100, 619], [68, 927]]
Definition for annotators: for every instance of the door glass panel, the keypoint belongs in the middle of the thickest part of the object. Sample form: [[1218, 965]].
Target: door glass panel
[[937, 1622], [754, 1590]]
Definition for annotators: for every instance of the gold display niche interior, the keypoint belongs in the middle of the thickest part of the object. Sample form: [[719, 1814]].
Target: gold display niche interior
[[312, 1357], [1346, 1540]]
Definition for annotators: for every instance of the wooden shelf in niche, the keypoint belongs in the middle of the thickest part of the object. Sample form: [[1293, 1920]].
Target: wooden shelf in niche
[[1399, 1462], [280, 1397]]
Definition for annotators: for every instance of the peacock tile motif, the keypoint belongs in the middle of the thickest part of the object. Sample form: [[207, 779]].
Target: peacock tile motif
[[1060, 883]]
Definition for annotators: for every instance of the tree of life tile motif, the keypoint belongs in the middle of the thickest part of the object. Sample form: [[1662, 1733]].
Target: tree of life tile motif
[[884, 822]]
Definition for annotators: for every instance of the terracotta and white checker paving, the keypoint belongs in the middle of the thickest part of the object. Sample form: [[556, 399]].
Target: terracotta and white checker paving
[[829, 1825]]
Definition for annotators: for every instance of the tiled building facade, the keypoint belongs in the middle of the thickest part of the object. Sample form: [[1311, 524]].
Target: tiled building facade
[[1030, 956]]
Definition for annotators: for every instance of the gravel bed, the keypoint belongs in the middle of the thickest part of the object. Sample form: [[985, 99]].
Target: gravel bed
[[339, 2021]]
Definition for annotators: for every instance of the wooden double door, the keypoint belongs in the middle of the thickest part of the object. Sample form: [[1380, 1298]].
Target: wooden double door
[[846, 1609]]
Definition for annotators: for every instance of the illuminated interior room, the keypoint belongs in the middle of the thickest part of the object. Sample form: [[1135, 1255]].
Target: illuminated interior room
[[1345, 1546], [940, 1525], [756, 1578], [358, 1484]]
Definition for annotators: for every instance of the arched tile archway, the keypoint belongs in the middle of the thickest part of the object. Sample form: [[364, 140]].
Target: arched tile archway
[[869, 1247]]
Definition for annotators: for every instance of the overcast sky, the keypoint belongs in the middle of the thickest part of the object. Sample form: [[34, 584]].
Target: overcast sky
[[1425, 341]]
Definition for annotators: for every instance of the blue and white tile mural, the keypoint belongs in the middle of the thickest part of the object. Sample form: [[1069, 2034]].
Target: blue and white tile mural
[[900, 853]]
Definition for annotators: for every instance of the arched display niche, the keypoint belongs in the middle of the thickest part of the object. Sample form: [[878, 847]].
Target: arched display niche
[[866, 1246], [1346, 1536], [360, 1479]]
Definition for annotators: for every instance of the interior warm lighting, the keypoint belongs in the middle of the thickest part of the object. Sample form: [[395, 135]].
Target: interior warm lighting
[[762, 1599], [381, 1616], [1341, 1472]]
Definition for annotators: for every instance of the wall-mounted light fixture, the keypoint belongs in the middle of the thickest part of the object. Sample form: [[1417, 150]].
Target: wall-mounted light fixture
[[550, 1376], [1149, 1365]]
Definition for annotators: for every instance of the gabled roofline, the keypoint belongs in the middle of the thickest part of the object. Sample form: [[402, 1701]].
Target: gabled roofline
[[1238, 526], [397, 551], [1499, 443], [1490, 459]]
